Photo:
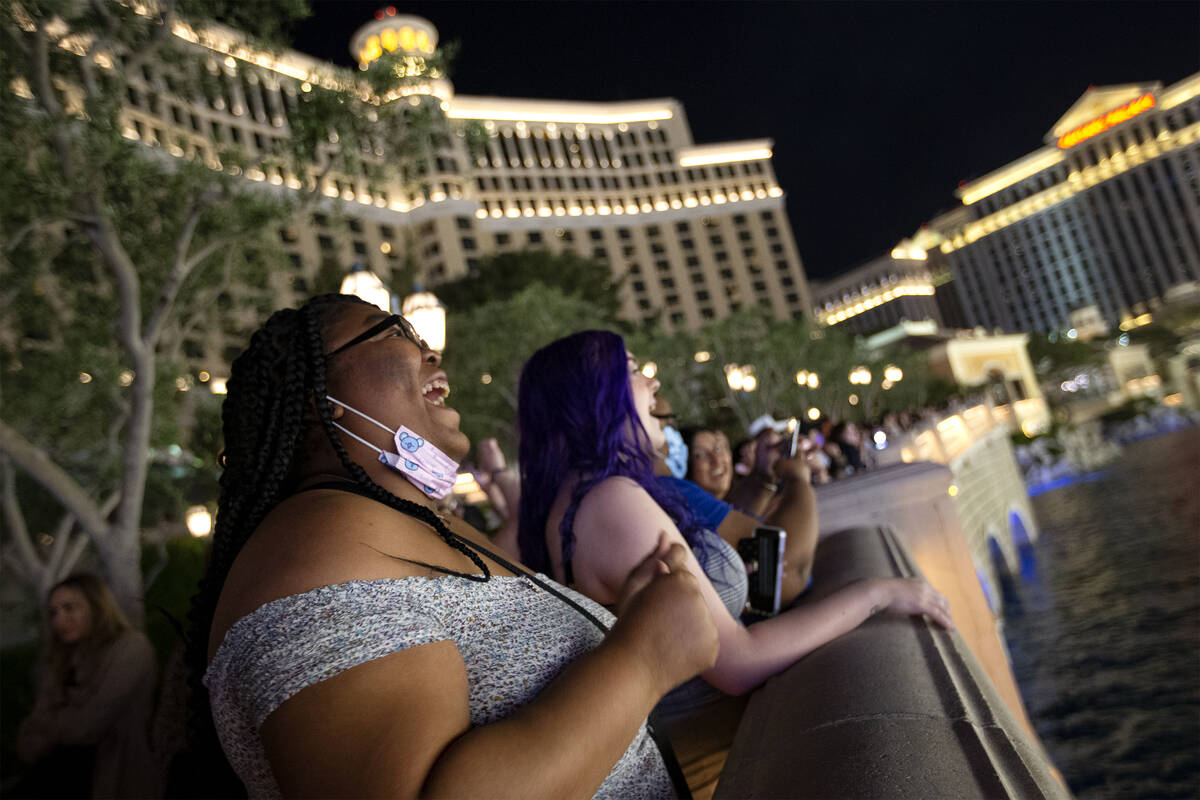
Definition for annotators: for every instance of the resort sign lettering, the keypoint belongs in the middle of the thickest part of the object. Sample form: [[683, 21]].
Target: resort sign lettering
[[1106, 121]]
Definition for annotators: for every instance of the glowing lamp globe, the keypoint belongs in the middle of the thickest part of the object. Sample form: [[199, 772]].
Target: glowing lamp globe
[[199, 521], [428, 316], [366, 285]]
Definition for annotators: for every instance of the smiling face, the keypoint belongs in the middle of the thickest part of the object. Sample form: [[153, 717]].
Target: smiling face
[[390, 377], [70, 615], [643, 390], [711, 462]]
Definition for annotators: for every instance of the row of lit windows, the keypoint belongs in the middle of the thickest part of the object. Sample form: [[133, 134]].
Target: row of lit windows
[[543, 207], [1077, 181]]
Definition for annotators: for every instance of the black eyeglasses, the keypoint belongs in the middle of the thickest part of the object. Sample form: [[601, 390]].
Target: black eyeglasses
[[393, 321]]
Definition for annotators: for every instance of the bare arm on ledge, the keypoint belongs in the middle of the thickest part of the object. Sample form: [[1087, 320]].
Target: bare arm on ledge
[[615, 529]]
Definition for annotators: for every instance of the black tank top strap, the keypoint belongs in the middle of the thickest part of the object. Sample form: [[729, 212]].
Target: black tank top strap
[[354, 488]]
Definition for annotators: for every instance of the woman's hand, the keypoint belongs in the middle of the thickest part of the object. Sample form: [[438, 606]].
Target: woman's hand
[[662, 617], [793, 469], [914, 596]]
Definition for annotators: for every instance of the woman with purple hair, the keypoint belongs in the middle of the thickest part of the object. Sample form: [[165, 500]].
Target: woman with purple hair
[[591, 512]]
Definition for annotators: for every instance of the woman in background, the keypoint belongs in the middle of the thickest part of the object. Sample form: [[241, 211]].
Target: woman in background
[[88, 734]]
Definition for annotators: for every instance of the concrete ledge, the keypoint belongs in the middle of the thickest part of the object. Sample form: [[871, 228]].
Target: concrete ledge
[[893, 709]]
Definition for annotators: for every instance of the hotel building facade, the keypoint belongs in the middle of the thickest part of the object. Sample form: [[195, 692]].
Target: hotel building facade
[[693, 232], [1106, 215]]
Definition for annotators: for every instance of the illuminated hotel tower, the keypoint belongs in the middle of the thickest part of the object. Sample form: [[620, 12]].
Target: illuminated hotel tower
[[695, 231], [1105, 215]]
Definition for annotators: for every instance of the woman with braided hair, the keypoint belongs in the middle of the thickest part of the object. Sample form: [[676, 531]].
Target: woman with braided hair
[[359, 644]]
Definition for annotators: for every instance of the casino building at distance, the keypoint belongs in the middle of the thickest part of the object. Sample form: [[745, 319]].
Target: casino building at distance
[[1106, 215], [693, 231]]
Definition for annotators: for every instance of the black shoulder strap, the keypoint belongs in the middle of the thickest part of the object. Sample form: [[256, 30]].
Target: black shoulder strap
[[670, 761]]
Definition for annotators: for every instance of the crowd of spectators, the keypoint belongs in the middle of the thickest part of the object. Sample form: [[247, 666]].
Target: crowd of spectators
[[351, 637]]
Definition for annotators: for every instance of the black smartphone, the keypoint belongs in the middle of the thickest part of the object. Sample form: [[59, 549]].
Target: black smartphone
[[763, 554]]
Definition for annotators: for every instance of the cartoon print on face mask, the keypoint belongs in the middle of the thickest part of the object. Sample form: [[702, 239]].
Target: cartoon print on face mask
[[409, 442], [429, 469]]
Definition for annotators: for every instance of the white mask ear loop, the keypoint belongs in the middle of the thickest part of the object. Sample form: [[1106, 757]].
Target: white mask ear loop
[[351, 433]]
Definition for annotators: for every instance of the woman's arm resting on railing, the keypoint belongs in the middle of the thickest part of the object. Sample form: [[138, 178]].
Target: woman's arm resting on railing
[[616, 528], [399, 726]]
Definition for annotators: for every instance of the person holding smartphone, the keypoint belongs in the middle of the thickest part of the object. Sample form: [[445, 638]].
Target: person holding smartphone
[[591, 511], [778, 493]]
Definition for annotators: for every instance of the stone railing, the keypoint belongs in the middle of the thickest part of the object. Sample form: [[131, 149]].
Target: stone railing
[[914, 501], [895, 708]]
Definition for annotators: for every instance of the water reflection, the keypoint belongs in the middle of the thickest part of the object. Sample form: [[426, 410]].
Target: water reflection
[[1104, 624]]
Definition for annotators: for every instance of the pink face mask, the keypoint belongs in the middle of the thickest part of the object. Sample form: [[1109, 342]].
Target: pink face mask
[[429, 469]]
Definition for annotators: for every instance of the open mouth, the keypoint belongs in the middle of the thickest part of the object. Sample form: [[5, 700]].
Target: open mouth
[[436, 392]]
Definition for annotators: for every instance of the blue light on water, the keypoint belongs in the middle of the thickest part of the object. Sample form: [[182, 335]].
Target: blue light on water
[[1066, 480]]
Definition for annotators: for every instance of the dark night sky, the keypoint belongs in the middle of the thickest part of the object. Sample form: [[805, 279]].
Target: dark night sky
[[877, 110]]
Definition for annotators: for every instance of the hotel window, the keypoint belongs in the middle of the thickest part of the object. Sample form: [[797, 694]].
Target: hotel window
[[662, 266], [697, 278], [599, 253], [745, 236], [643, 304], [628, 250], [468, 243], [702, 296], [502, 239], [639, 286], [652, 230], [596, 234], [672, 299], [777, 248], [693, 261], [535, 237], [623, 233], [721, 256], [325, 243], [707, 313], [687, 244], [682, 227]]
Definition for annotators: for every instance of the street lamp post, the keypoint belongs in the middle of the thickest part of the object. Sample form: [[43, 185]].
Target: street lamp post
[[421, 308]]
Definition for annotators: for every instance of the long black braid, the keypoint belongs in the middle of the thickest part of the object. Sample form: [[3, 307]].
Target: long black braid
[[263, 423]]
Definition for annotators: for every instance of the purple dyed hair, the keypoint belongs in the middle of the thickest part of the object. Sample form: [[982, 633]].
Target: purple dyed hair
[[576, 413]]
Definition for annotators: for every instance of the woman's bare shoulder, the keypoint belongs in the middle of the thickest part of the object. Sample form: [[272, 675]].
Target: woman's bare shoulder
[[323, 538], [619, 496]]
